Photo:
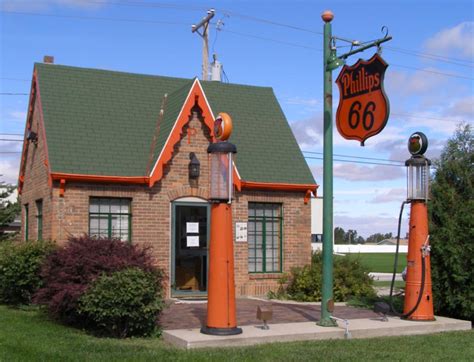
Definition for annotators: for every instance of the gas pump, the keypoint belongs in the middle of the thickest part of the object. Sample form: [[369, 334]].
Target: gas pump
[[418, 304]]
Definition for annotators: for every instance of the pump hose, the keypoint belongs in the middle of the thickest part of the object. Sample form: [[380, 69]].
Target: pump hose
[[422, 286]]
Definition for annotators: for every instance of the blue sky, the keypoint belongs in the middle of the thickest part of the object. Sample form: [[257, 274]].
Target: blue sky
[[429, 81]]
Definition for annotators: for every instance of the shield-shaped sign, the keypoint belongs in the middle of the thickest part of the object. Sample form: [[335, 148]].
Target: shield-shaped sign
[[363, 105]]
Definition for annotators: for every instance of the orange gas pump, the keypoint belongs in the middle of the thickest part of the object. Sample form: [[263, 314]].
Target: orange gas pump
[[418, 304], [221, 310]]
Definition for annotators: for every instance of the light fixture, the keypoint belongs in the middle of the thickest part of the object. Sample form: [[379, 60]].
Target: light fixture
[[32, 136], [334, 62], [194, 166]]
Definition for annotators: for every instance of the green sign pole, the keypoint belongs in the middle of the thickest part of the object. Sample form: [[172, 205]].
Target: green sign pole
[[331, 62], [327, 287]]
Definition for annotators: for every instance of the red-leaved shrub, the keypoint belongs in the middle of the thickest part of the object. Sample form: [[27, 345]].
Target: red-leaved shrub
[[69, 271]]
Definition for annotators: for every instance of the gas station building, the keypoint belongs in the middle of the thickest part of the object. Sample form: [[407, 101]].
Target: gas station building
[[122, 155]]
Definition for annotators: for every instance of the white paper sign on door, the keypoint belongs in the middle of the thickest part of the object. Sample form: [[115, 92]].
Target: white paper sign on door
[[192, 227], [192, 241], [241, 232]]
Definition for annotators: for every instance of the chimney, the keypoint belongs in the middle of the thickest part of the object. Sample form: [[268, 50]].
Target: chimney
[[48, 59], [216, 69]]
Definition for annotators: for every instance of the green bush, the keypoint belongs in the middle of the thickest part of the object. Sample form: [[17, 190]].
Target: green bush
[[351, 279], [20, 265], [122, 304]]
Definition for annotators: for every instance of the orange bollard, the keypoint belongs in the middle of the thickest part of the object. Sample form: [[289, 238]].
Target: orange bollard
[[418, 239], [221, 312]]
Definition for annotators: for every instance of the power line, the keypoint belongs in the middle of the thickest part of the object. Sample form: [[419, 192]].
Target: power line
[[11, 134], [127, 20], [424, 117], [432, 71], [6, 139], [13, 94], [430, 57], [272, 40], [359, 157], [7, 152], [421, 54], [349, 161]]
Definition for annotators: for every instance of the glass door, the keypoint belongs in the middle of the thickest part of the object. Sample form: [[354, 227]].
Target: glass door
[[190, 237]]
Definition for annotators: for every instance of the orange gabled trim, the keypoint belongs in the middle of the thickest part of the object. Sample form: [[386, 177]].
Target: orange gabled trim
[[99, 178], [195, 96], [267, 186], [42, 130], [29, 120], [34, 97]]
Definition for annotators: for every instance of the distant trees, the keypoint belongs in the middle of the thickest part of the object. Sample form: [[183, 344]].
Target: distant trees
[[351, 236], [8, 210]]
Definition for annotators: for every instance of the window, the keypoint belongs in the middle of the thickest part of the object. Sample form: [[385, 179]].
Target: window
[[265, 237], [39, 219], [26, 222], [110, 218]]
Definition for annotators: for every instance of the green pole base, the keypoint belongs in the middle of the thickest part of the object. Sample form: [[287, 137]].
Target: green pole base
[[327, 322]]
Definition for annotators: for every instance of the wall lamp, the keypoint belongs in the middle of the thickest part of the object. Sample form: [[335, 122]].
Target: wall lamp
[[194, 166]]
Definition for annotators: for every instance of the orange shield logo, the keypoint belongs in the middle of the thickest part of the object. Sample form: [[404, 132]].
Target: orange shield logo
[[363, 105]]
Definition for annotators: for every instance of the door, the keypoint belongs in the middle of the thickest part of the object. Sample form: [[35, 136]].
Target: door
[[190, 237]]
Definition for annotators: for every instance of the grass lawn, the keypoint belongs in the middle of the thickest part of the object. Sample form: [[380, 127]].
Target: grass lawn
[[380, 262], [26, 335]]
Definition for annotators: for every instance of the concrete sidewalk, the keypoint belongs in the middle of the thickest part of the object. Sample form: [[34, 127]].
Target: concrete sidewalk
[[386, 277], [310, 331]]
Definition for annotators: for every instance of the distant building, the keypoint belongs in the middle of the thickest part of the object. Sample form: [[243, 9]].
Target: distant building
[[393, 241]]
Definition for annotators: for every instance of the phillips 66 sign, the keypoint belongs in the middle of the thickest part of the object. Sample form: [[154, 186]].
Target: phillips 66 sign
[[363, 106]]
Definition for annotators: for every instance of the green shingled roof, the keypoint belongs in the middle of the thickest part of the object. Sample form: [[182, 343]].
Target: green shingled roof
[[102, 122]]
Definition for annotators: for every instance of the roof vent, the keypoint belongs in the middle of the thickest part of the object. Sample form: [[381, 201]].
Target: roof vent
[[216, 69], [48, 59]]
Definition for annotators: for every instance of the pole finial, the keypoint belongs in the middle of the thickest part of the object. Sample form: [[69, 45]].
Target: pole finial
[[327, 16]]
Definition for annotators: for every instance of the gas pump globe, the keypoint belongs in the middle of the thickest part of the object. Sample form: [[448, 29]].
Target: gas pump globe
[[220, 163]]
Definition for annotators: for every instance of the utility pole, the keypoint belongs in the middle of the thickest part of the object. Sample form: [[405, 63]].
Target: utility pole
[[331, 62], [204, 24]]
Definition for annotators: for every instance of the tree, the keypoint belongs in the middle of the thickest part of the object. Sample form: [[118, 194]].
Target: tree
[[339, 234], [451, 227], [8, 210]]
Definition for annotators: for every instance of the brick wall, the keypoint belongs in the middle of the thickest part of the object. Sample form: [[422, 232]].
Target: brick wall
[[151, 210]]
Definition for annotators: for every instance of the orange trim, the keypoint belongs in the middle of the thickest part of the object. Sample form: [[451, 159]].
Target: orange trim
[[268, 186], [29, 120], [196, 96], [62, 187], [99, 178]]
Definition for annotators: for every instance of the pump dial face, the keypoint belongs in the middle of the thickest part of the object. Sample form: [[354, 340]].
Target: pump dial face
[[223, 126], [417, 143]]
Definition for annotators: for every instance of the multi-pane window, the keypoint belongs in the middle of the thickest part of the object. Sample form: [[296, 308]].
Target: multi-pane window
[[26, 222], [110, 218], [264, 237], [39, 219]]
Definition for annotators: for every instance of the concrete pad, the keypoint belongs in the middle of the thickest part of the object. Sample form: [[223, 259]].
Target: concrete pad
[[309, 331]]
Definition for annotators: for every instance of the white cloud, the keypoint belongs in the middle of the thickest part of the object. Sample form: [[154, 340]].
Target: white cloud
[[396, 194], [9, 168], [353, 172], [308, 132], [308, 102], [458, 39], [18, 116]]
